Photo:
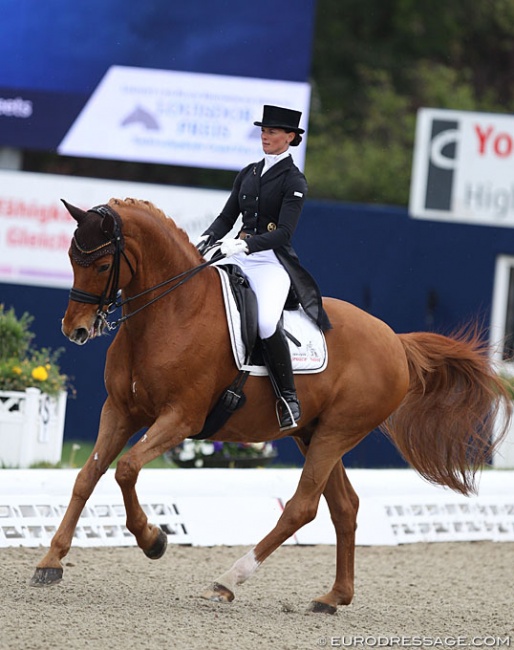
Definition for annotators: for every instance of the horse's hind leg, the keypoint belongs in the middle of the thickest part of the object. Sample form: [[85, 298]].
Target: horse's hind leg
[[343, 504], [298, 511]]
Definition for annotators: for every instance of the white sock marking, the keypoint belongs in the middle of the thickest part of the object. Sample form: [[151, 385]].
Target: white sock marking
[[240, 571]]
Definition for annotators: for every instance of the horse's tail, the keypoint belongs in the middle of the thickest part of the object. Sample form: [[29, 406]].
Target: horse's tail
[[447, 425]]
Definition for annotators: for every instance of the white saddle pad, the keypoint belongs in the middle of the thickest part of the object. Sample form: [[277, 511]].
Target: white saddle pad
[[310, 357]]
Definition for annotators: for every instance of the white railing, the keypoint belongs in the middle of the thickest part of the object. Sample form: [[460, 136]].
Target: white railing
[[238, 507]]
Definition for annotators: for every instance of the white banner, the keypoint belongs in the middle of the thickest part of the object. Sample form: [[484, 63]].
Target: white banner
[[179, 118], [462, 169], [36, 229]]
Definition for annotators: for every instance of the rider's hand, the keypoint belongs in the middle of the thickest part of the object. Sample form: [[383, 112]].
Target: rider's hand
[[204, 242], [233, 247]]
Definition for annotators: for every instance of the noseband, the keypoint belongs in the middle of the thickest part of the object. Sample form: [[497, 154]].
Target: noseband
[[111, 296]]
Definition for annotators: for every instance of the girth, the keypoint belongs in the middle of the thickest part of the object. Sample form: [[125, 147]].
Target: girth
[[233, 397]]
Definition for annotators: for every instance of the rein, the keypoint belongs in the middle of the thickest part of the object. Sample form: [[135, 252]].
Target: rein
[[110, 297], [186, 275]]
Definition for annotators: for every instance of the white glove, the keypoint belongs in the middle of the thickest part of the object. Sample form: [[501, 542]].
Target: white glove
[[233, 247]]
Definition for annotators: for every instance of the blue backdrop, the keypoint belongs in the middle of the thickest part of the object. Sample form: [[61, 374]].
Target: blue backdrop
[[55, 53], [415, 275]]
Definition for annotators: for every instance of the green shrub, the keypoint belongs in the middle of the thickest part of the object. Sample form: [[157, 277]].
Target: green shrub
[[22, 366], [15, 337]]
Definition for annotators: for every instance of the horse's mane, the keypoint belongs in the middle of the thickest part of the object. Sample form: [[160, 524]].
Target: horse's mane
[[151, 209]]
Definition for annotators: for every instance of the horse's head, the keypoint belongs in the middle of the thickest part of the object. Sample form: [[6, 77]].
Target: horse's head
[[96, 253]]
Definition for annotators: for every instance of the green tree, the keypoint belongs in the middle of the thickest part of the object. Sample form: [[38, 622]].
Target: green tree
[[375, 63]]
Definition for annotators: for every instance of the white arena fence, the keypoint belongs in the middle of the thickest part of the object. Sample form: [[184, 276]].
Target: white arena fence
[[208, 507]]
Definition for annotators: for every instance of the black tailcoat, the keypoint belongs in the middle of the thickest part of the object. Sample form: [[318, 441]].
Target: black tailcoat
[[271, 206]]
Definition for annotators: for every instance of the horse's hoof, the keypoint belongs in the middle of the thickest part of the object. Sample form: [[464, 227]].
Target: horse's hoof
[[46, 577], [159, 546], [317, 607], [219, 594]]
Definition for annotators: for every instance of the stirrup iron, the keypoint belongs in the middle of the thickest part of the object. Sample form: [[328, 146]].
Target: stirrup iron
[[282, 402]]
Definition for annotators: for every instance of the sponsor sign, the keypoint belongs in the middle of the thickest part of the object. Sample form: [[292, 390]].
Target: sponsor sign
[[199, 120], [36, 229], [462, 168], [54, 56]]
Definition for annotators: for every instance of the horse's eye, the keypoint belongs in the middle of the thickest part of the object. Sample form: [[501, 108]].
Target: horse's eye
[[103, 268]]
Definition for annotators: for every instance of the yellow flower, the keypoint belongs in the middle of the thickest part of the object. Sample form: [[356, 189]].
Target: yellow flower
[[17, 370], [40, 373]]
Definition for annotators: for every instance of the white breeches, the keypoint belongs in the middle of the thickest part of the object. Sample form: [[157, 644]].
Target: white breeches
[[271, 284]]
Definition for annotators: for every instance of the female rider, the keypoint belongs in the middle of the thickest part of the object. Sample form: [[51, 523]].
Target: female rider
[[270, 195]]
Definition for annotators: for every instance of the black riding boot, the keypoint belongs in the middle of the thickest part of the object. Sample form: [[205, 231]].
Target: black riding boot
[[278, 362]]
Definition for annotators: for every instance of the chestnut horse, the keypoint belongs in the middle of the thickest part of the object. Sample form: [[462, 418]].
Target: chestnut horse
[[435, 396]]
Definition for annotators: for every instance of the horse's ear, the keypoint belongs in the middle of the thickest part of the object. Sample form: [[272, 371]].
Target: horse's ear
[[75, 212], [108, 225]]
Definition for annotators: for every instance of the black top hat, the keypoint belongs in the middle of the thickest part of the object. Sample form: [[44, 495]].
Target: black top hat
[[281, 118]]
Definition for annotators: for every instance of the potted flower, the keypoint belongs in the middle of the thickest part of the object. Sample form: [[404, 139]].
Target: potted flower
[[33, 395], [204, 453]]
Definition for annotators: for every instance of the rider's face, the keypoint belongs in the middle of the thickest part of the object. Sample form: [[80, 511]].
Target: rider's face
[[275, 141]]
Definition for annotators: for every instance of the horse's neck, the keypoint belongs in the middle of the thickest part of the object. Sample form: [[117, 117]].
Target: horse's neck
[[161, 254], [172, 341]]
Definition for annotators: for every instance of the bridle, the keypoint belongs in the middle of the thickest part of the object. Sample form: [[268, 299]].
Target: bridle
[[110, 299], [109, 295]]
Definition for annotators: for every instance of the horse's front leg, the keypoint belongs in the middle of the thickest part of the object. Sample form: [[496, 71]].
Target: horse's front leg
[[112, 436], [167, 432]]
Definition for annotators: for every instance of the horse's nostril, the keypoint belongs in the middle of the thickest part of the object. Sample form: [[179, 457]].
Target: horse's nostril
[[80, 335]]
